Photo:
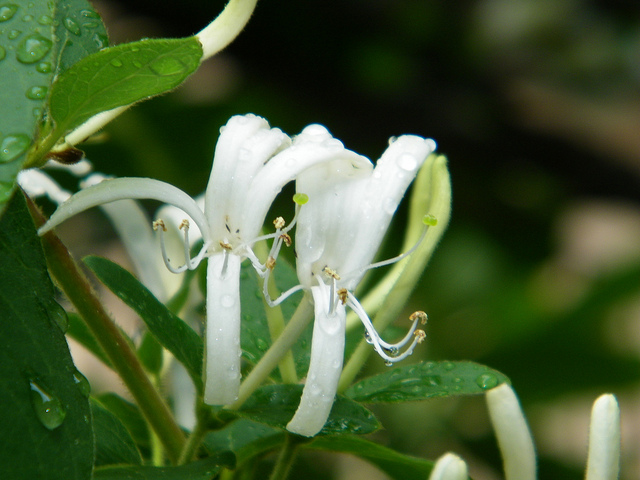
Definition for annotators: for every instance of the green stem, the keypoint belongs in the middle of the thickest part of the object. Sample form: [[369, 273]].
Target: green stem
[[291, 333], [197, 435], [77, 288], [285, 459]]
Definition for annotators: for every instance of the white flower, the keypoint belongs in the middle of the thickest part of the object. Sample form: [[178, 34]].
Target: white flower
[[252, 163], [449, 467], [338, 234]]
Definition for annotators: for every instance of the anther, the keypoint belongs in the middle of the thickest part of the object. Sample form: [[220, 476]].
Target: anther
[[159, 224], [279, 223], [286, 239], [420, 335], [331, 273], [270, 263], [419, 315], [342, 295], [225, 245], [184, 224]]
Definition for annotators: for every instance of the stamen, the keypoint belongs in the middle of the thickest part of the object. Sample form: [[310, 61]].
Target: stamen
[[427, 220], [388, 351], [286, 239], [342, 295], [279, 223], [331, 273], [226, 245], [419, 315], [270, 263], [190, 264]]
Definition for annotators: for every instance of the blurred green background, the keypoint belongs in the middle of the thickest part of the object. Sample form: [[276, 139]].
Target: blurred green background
[[536, 103]]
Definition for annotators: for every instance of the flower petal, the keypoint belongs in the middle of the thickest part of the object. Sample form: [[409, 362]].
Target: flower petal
[[246, 142], [126, 188], [514, 437], [222, 350], [37, 184], [449, 467], [603, 462], [325, 367]]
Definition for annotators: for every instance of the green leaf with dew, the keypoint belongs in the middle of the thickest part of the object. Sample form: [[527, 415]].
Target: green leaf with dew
[[43, 398], [172, 332], [426, 380], [129, 415]]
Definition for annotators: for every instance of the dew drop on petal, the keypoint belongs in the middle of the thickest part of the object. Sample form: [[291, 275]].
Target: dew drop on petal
[[227, 301], [407, 162], [392, 140], [48, 407], [389, 205]]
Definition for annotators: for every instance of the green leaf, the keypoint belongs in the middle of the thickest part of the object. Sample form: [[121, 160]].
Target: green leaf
[[275, 405], [26, 56], [394, 464], [46, 428], [426, 380], [121, 75], [150, 353], [201, 470], [246, 439], [129, 415], [79, 32], [114, 444], [79, 331], [173, 333]]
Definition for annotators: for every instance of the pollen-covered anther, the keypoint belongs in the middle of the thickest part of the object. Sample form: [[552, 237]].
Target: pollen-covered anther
[[419, 315], [159, 224], [270, 263], [331, 273], [279, 223], [225, 245], [342, 295], [420, 335], [184, 224], [286, 238]]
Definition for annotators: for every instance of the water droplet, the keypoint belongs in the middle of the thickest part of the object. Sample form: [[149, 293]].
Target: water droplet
[[388, 363], [487, 381], [44, 67], [389, 205], [33, 48], [71, 25], [100, 40], [89, 14], [167, 66], [227, 301], [90, 24], [45, 20], [261, 344], [36, 93], [27, 18], [448, 366], [431, 144], [47, 406], [116, 63], [315, 390], [407, 162], [3, 53], [82, 383], [37, 112], [392, 140], [59, 316], [13, 34], [137, 64], [7, 11], [12, 146]]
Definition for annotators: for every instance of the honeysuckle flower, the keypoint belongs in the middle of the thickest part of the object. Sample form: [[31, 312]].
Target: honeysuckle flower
[[449, 467], [339, 231], [516, 443], [252, 163]]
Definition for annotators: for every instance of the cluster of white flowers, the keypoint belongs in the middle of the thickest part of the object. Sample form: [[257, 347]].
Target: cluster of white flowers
[[345, 206]]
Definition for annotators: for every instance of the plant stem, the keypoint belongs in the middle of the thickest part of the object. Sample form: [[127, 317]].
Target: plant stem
[[124, 360], [291, 333], [285, 459], [197, 435]]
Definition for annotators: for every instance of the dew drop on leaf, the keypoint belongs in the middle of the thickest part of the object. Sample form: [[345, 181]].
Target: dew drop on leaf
[[3, 53], [27, 18], [47, 406], [12, 146], [167, 66], [13, 34], [89, 14], [36, 93], [59, 316], [487, 381], [44, 67], [45, 20], [7, 11], [33, 48], [71, 25], [116, 63], [82, 383]]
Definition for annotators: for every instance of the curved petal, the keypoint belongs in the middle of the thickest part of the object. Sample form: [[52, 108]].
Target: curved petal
[[246, 142], [37, 184], [449, 467], [325, 367], [222, 350], [126, 188], [603, 462]]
